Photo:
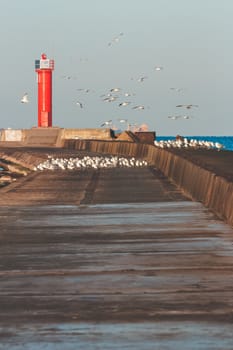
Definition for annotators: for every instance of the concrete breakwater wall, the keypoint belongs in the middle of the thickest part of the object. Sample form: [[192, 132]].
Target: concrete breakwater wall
[[215, 192]]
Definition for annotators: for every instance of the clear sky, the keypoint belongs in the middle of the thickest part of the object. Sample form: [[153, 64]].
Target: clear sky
[[99, 45]]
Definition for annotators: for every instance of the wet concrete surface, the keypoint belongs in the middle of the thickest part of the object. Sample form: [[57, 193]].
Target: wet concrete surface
[[112, 259]]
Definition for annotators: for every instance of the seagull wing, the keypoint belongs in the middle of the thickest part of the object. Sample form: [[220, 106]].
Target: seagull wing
[[79, 104], [24, 99]]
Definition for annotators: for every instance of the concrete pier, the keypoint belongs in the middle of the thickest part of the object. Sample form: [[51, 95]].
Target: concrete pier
[[114, 258]]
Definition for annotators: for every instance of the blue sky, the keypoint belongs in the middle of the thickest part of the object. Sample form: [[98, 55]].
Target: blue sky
[[191, 40]]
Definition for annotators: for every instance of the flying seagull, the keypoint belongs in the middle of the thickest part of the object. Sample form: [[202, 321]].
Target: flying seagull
[[174, 117], [123, 120], [141, 79], [79, 104], [176, 89], [110, 98], [138, 107], [116, 39], [127, 94], [187, 106], [115, 90], [109, 122], [158, 68], [123, 104], [24, 99], [187, 116]]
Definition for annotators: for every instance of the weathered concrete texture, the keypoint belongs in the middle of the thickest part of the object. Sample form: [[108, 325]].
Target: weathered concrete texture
[[42, 137], [146, 136], [88, 134], [112, 259], [77, 187], [214, 188], [50, 137], [128, 136]]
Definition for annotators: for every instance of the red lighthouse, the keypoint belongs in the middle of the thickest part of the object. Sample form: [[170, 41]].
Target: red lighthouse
[[44, 68]]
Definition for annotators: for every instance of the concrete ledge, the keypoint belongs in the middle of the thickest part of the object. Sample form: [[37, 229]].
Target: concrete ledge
[[50, 137], [88, 134], [12, 135]]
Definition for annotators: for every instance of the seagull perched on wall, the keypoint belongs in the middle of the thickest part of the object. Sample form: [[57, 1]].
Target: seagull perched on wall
[[24, 99]]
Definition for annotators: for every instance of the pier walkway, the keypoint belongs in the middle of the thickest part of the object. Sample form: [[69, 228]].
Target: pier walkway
[[112, 259]]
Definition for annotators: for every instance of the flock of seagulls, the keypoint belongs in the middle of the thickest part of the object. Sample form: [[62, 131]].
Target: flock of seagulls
[[186, 143], [121, 99], [115, 94], [185, 116], [95, 162], [129, 126]]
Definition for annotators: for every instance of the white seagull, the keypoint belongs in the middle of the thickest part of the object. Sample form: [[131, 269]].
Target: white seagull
[[79, 104], [109, 122], [187, 106], [123, 104], [123, 120], [138, 107], [127, 94], [141, 79], [115, 90], [176, 89], [175, 117], [158, 68], [24, 99], [116, 39], [110, 98], [187, 116]]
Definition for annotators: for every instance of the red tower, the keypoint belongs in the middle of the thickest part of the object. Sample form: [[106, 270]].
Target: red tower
[[44, 68]]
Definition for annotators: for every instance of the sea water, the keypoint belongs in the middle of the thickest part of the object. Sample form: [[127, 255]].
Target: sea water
[[226, 141]]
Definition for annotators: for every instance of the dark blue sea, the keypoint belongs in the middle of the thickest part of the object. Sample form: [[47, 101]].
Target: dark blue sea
[[226, 141]]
